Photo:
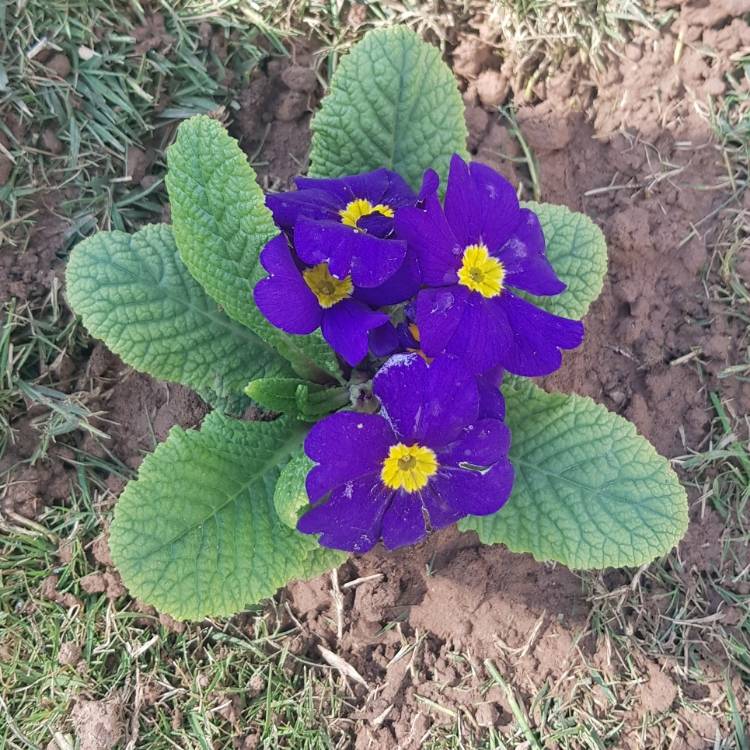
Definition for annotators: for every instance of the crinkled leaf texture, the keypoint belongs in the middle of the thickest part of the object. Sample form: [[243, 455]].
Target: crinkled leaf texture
[[578, 252], [133, 292], [299, 398], [197, 534], [393, 103], [589, 491], [290, 499], [221, 224]]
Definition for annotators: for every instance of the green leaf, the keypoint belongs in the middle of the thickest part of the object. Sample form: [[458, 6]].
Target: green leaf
[[221, 224], [589, 491], [578, 252], [290, 500], [393, 103], [133, 292], [299, 398], [197, 533]]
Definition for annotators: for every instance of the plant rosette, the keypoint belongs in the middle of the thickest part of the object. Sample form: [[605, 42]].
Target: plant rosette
[[388, 313]]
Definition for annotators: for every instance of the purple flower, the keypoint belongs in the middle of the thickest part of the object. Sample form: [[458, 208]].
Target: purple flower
[[299, 301], [471, 253], [347, 223], [425, 461]]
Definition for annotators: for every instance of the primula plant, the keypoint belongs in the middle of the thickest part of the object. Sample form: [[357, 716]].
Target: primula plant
[[385, 316]]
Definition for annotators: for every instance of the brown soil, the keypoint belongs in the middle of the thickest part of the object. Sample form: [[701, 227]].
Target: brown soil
[[636, 162]]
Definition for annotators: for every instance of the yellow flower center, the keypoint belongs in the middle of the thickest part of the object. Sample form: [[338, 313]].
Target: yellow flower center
[[328, 290], [360, 207], [480, 272], [408, 467]]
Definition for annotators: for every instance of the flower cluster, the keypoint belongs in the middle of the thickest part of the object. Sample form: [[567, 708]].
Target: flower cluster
[[387, 272]]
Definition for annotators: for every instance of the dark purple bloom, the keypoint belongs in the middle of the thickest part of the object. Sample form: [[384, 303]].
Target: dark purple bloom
[[428, 459], [347, 223], [471, 252], [299, 301]]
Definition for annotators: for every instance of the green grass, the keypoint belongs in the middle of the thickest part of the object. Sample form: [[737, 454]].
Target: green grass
[[113, 100]]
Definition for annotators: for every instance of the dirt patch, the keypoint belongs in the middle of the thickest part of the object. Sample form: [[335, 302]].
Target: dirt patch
[[273, 123], [28, 272], [98, 724]]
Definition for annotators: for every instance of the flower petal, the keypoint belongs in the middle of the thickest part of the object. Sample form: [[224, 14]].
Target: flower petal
[[283, 297], [538, 337], [473, 492], [351, 520], [427, 233], [378, 186], [383, 340], [440, 513], [346, 446], [438, 314], [403, 285], [480, 204], [403, 521], [480, 444], [346, 327], [287, 208], [450, 401], [430, 185], [483, 336], [376, 224], [523, 257], [400, 386], [491, 401], [369, 260]]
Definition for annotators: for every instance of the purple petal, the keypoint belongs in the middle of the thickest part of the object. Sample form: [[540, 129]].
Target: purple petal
[[283, 297], [369, 260], [430, 185], [483, 336], [337, 190], [367, 438], [346, 327], [427, 233], [403, 285], [480, 444], [538, 337], [383, 340], [449, 402], [400, 386], [376, 224], [403, 521], [491, 401], [438, 314], [441, 514], [523, 257], [473, 492], [287, 208], [379, 186], [351, 520], [480, 204]]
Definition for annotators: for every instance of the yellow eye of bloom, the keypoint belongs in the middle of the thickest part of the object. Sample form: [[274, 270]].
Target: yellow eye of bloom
[[480, 272], [408, 467], [328, 290], [360, 207]]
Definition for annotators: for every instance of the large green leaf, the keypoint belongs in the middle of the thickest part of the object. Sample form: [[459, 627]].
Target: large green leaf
[[221, 224], [393, 103], [133, 292], [197, 533], [589, 491], [578, 252]]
